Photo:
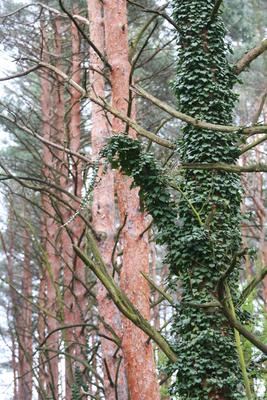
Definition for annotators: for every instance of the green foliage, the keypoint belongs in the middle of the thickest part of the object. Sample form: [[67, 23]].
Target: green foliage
[[78, 386]]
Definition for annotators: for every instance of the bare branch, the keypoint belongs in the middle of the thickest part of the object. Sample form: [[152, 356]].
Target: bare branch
[[45, 7], [158, 289], [139, 36], [47, 142], [226, 167], [241, 329], [20, 74], [256, 129], [158, 11], [132, 123], [196, 122], [115, 339], [37, 4], [250, 56], [98, 52], [259, 111], [251, 286], [214, 12], [253, 144], [122, 301], [116, 241]]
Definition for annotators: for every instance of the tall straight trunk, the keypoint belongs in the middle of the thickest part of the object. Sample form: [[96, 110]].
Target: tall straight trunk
[[9, 251], [74, 273], [208, 240], [25, 326], [259, 201], [103, 213], [259, 21], [49, 373], [45, 111], [138, 352], [41, 333]]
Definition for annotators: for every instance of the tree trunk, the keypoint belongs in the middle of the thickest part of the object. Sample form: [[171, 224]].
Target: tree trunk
[[74, 273], [9, 252], [50, 228], [138, 352], [209, 238], [103, 213], [25, 328]]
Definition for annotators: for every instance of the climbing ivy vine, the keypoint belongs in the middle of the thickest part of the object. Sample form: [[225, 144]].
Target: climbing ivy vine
[[202, 231]]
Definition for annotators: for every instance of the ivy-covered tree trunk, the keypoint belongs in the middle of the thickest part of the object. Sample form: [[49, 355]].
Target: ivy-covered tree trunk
[[204, 245], [208, 240]]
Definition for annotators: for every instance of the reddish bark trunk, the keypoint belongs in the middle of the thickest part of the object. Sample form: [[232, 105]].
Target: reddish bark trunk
[[49, 372], [74, 273], [13, 361], [254, 190], [41, 336], [103, 213], [24, 327], [13, 297], [138, 352], [261, 211]]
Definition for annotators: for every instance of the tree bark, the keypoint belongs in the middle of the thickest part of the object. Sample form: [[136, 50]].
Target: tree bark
[[49, 371], [74, 273], [103, 213], [138, 353], [25, 326]]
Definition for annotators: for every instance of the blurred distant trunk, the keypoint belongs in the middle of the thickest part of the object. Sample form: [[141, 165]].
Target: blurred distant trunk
[[74, 272], [24, 327], [13, 312]]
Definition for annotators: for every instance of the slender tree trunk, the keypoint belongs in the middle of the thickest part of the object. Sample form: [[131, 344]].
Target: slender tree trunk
[[74, 273], [14, 364], [13, 296], [78, 226], [41, 335], [103, 211], [138, 353], [46, 205], [49, 231], [25, 328]]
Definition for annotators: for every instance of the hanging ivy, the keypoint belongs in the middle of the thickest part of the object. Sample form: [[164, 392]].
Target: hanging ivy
[[79, 388], [207, 238]]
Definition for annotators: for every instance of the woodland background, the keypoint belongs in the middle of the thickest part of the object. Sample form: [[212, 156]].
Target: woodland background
[[61, 333]]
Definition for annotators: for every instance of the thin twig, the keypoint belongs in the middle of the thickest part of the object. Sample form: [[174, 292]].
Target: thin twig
[[158, 11]]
